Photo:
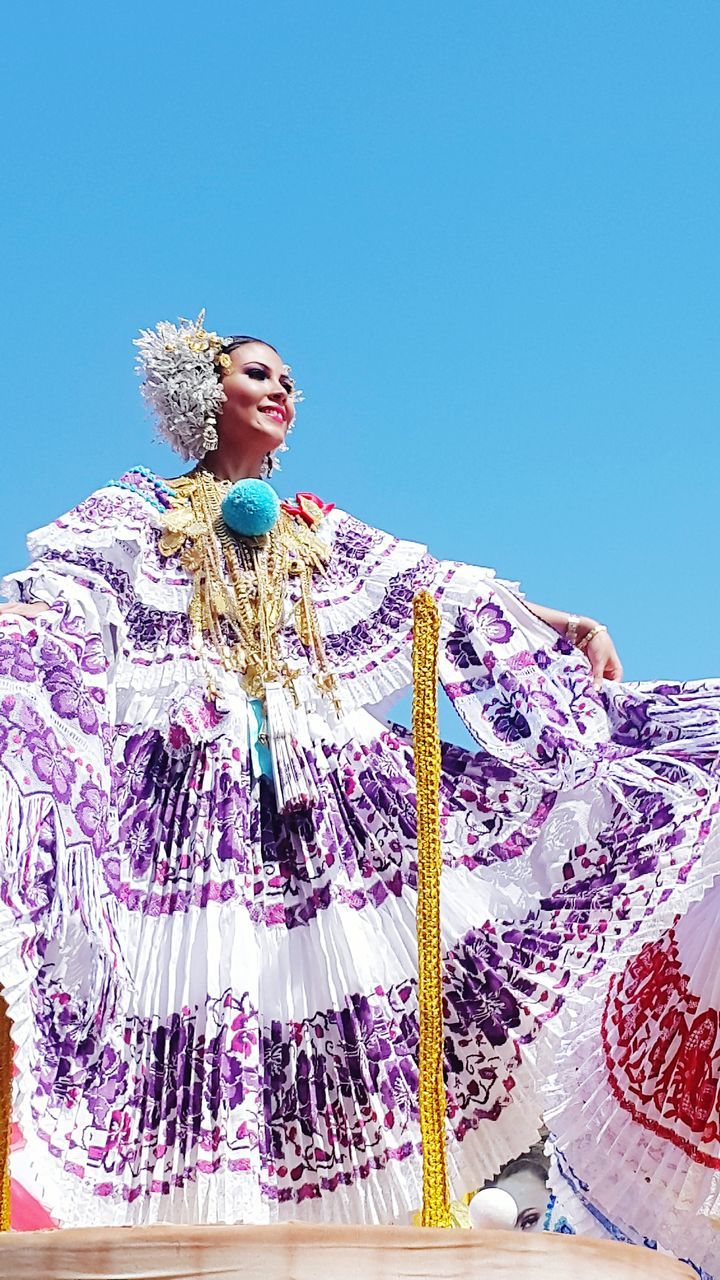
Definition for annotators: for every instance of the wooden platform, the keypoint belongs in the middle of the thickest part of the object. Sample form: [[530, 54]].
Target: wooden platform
[[294, 1252]]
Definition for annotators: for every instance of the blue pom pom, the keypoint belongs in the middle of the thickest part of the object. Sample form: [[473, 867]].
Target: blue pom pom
[[250, 508]]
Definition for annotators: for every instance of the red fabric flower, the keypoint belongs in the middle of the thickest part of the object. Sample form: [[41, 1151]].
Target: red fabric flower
[[308, 507]]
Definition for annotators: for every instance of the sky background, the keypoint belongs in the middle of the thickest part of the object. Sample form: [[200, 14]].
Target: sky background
[[485, 235]]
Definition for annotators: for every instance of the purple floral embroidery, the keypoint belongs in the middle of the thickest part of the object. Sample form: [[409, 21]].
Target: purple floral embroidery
[[154, 628], [139, 838], [460, 642], [94, 659], [15, 658], [546, 703], [100, 509], [633, 722], [493, 1006], [136, 772], [92, 814], [70, 698], [47, 837], [391, 795], [399, 1094], [508, 722], [391, 620], [111, 578], [51, 765], [491, 623], [231, 821], [356, 541], [656, 812], [111, 1079]]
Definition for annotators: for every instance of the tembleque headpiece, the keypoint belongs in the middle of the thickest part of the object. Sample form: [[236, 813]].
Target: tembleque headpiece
[[181, 367]]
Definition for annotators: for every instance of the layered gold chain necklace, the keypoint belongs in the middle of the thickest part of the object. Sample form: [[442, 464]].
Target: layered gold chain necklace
[[240, 585]]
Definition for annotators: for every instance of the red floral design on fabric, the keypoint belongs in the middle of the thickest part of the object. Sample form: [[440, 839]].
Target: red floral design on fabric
[[662, 1052]]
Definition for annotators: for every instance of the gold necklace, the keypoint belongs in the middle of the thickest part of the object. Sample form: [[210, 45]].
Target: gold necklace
[[240, 584]]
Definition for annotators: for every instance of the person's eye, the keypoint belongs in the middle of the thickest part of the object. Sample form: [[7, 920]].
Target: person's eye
[[528, 1220], [256, 373], [287, 385]]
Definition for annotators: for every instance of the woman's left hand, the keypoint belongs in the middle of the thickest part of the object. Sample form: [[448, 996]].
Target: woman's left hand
[[600, 653], [603, 658]]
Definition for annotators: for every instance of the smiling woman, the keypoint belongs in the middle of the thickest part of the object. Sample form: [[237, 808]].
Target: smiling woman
[[190, 377], [258, 411], [208, 888]]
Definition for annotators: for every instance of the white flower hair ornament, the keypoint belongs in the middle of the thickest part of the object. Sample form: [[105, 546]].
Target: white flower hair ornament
[[181, 367]]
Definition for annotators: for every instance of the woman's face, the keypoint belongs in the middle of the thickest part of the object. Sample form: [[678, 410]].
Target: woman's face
[[530, 1194], [258, 390]]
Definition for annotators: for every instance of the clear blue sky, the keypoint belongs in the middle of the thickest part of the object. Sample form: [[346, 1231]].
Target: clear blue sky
[[485, 234]]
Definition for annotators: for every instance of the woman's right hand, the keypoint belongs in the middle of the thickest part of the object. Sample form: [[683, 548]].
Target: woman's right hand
[[24, 610]]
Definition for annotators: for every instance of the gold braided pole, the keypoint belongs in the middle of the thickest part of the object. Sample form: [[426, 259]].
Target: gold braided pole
[[436, 1200], [5, 1115]]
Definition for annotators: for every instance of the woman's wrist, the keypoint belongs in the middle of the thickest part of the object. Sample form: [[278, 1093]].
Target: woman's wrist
[[579, 626], [572, 626]]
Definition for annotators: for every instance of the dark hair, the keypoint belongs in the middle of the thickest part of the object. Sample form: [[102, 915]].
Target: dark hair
[[237, 340], [526, 1164], [533, 1162]]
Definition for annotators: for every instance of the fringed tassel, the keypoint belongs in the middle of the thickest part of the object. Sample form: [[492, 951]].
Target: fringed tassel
[[432, 1103], [6, 1070], [295, 787]]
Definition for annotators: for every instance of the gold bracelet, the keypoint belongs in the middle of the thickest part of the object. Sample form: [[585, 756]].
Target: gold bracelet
[[571, 629], [592, 633]]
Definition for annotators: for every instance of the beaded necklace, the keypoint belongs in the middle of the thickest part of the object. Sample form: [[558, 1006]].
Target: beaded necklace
[[240, 584]]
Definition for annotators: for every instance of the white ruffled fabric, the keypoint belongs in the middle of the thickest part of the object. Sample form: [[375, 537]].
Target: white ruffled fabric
[[635, 1100], [572, 1211]]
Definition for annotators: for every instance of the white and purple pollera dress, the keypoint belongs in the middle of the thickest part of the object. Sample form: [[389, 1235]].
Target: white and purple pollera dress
[[214, 1003]]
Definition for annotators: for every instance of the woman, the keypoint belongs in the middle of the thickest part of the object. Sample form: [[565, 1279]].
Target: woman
[[209, 881]]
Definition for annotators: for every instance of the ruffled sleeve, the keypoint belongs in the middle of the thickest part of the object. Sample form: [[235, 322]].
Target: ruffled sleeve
[[524, 693], [98, 559]]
